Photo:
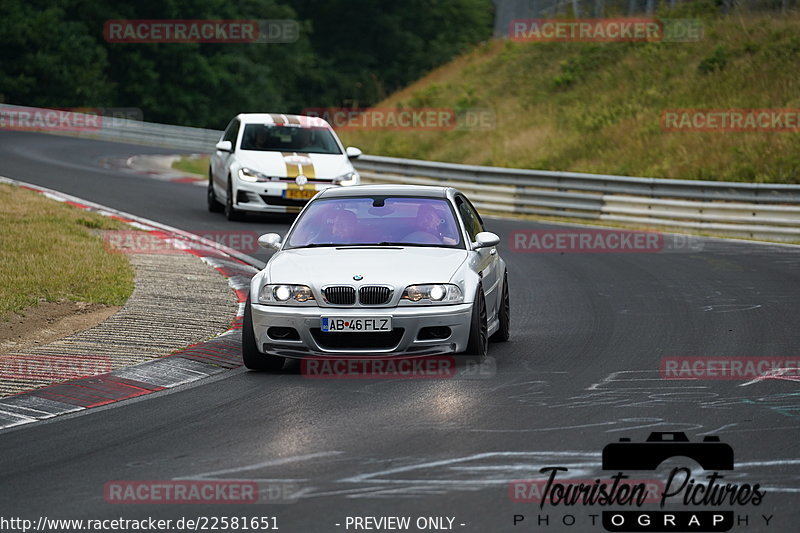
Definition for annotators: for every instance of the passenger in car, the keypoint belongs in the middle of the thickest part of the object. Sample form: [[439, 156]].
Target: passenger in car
[[428, 228], [345, 227]]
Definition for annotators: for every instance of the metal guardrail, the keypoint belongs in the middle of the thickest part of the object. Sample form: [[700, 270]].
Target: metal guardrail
[[107, 128], [750, 210]]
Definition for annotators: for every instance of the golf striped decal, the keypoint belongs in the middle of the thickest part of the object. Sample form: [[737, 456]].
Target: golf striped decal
[[308, 170], [283, 120], [294, 169]]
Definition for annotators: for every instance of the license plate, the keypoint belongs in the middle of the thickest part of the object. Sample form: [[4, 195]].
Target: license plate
[[300, 194], [356, 325]]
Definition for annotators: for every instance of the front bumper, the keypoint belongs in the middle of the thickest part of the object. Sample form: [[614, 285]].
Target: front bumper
[[271, 196], [411, 320]]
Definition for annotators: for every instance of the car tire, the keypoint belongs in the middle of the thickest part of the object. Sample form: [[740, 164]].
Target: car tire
[[214, 205], [231, 213], [478, 344], [252, 357], [504, 315]]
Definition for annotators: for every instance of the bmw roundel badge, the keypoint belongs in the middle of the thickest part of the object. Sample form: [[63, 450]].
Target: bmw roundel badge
[[358, 277]]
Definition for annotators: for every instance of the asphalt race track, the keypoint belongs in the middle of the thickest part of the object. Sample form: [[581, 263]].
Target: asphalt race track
[[589, 332]]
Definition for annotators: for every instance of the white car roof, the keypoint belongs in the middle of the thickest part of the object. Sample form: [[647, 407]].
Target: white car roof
[[430, 191], [303, 121]]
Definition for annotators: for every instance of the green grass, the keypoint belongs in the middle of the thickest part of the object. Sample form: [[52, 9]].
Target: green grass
[[192, 165], [52, 252], [597, 108]]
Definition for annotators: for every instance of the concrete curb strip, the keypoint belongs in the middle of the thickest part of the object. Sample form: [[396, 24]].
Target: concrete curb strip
[[165, 294], [144, 325], [157, 167]]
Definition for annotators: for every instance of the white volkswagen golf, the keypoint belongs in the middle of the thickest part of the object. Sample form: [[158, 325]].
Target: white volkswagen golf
[[275, 163]]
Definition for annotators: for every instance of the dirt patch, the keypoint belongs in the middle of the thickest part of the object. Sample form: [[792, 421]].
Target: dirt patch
[[47, 322]]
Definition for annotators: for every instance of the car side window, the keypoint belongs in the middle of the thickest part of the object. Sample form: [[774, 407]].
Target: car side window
[[232, 132], [472, 220]]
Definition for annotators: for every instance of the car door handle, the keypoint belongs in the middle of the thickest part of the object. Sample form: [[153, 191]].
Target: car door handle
[[493, 251]]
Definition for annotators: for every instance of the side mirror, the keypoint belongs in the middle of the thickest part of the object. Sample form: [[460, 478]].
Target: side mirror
[[353, 152], [225, 146], [485, 239], [270, 240]]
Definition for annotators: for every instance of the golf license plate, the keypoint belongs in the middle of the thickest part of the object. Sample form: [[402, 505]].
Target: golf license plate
[[300, 194], [356, 324]]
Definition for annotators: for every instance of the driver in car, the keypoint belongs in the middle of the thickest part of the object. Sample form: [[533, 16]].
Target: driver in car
[[303, 140], [429, 229], [344, 227]]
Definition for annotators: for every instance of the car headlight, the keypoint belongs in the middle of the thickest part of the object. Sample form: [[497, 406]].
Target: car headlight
[[248, 174], [433, 293], [351, 178], [279, 294]]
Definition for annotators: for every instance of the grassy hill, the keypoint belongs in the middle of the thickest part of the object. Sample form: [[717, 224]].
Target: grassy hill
[[591, 107]]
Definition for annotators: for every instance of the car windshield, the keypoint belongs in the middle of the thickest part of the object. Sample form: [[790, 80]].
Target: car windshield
[[378, 220], [274, 138]]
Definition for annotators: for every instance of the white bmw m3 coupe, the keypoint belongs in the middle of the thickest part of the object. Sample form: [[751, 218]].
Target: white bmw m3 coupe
[[378, 270]]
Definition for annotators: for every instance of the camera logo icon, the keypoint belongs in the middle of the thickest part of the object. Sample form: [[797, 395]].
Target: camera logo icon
[[710, 454]]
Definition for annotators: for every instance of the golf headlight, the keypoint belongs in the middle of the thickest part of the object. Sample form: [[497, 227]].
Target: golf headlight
[[247, 174], [285, 294], [351, 178], [433, 293]]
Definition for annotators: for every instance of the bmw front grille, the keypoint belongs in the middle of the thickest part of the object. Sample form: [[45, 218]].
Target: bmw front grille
[[340, 295], [374, 295], [367, 295]]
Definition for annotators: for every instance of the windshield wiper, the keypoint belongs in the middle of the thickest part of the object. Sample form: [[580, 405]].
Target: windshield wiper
[[318, 245], [388, 243], [362, 244]]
